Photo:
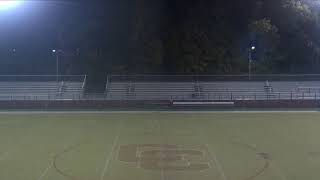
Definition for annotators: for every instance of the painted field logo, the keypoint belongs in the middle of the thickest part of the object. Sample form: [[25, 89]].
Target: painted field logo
[[165, 157]]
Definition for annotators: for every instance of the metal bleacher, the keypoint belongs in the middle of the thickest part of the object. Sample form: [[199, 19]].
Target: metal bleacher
[[72, 90], [206, 89], [154, 87], [40, 87], [150, 90]]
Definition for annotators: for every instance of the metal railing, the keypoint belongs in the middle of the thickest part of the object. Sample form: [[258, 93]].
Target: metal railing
[[36, 78], [221, 96], [39, 97], [199, 78], [84, 82], [192, 97], [251, 96]]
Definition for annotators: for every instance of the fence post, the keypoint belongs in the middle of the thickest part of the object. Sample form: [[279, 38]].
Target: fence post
[[107, 85]]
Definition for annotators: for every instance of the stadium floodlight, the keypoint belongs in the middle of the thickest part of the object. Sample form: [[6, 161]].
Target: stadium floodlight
[[56, 52], [8, 4], [251, 50]]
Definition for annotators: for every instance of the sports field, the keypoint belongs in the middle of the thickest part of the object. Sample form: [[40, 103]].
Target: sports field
[[160, 146]]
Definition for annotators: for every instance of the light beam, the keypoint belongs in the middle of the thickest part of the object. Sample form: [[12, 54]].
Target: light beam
[[8, 4]]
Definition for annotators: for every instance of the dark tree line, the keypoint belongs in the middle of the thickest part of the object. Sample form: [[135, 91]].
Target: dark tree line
[[214, 36]]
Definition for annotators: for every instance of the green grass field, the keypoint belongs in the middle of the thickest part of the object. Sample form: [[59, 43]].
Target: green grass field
[[160, 146]]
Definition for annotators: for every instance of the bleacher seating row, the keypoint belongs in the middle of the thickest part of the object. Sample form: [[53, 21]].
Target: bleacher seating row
[[40, 90], [213, 90]]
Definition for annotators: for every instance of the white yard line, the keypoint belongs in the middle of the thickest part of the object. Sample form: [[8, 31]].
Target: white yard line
[[163, 177], [162, 174], [138, 155], [44, 173], [110, 155], [157, 125], [214, 160]]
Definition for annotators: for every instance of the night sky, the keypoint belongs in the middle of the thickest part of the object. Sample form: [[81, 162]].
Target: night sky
[[29, 32]]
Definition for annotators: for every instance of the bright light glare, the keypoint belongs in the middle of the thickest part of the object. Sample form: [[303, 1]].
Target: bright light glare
[[8, 4], [253, 48]]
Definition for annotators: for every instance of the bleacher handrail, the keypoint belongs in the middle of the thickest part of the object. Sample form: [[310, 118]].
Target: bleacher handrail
[[33, 77], [230, 77], [107, 85], [84, 82]]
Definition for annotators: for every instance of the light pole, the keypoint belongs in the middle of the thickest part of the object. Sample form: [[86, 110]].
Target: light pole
[[251, 49], [56, 52]]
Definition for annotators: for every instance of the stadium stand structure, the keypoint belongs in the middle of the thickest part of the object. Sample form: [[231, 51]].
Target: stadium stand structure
[[41, 87], [202, 88]]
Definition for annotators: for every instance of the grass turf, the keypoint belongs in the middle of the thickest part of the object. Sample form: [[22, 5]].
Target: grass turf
[[164, 146]]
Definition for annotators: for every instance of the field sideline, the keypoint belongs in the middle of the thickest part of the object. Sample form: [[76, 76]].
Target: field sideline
[[160, 145], [159, 111]]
